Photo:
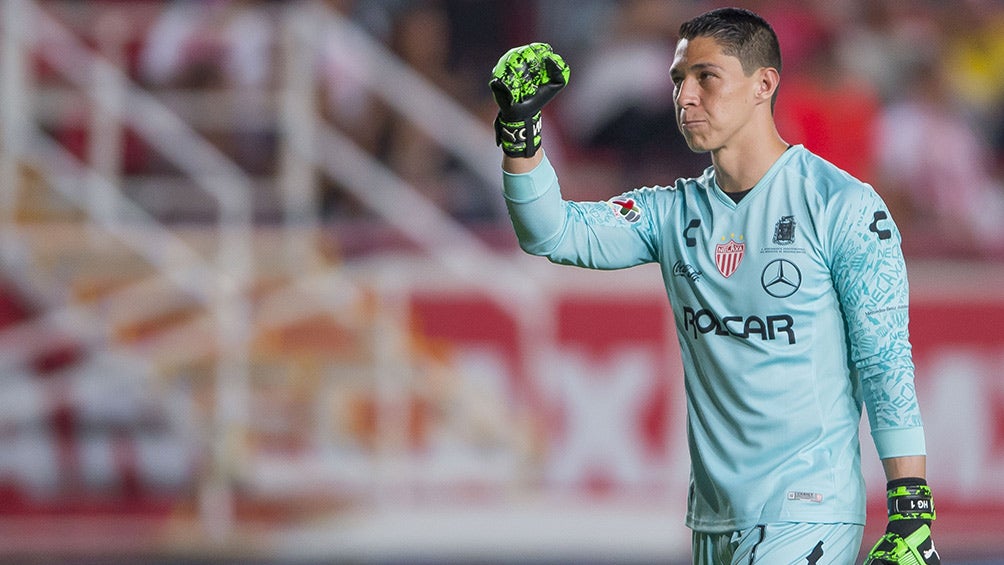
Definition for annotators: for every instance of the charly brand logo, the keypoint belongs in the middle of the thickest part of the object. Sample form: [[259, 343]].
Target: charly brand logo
[[627, 209], [728, 255], [784, 231], [781, 278], [690, 240], [874, 226]]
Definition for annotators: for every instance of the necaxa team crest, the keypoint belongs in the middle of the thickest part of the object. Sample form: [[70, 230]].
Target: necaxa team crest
[[728, 256]]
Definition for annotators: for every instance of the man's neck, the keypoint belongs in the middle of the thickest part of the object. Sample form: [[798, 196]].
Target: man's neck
[[738, 169]]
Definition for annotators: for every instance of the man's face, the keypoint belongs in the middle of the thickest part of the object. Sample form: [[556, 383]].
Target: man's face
[[713, 96]]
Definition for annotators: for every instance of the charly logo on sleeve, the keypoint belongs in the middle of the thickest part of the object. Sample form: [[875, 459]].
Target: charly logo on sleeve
[[873, 227]]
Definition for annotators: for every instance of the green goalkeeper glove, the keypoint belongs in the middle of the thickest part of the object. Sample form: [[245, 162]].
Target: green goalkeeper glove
[[523, 80], [907, 540]]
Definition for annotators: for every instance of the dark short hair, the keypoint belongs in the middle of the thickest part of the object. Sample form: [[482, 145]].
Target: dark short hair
[[741, 33]]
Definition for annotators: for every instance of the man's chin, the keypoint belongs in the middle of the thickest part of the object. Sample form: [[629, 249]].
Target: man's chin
[[696, 144], [697, 147]]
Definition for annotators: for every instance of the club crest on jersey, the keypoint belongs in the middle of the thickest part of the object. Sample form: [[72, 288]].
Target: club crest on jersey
[[728, 256], [627, 209]]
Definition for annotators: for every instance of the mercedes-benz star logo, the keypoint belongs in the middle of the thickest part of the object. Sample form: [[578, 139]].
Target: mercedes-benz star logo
[[781, 278]]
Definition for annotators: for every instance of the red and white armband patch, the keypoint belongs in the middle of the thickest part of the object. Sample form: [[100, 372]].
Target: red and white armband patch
[[626, 209]]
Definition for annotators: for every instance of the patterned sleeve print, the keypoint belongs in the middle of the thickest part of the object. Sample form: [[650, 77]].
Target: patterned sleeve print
[[869, 274]]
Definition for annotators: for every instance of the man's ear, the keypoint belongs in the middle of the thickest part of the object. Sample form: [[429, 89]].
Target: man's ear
[[768, 80]]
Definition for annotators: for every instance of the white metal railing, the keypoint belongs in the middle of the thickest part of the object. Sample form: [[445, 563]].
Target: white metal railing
[[219, 177], [400, 204], [13, 117], [459, 256], [422, 103], [220, 282]]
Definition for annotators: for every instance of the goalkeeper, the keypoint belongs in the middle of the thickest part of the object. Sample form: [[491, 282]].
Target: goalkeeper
[[789, 293]]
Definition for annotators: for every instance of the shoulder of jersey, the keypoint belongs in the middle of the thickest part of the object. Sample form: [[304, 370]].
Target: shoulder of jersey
[[830, 180], [702, 182]]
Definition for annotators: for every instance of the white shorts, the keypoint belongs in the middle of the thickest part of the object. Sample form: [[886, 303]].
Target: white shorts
[[780, 544]]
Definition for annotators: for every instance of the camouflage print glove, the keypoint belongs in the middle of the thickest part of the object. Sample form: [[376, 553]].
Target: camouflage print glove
[[523, 80], [907, 540]]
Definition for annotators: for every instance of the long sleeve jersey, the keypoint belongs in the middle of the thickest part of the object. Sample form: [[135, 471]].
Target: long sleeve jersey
[[791, 309]]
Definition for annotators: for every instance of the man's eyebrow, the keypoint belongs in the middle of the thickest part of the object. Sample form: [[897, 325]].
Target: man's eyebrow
[[676, 71], [703, 66]]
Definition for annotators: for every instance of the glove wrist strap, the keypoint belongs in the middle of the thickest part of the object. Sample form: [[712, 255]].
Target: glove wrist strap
[[910, 499], [518, 138]]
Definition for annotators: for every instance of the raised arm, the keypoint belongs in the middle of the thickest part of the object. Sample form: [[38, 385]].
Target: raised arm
[[587, 234]]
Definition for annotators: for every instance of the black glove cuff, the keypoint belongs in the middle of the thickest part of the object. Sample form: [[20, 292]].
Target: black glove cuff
[[906, 482], [520, 138], [909, 499]]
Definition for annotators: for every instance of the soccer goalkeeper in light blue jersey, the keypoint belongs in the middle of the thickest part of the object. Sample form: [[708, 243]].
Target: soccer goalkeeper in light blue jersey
[[789, 292]]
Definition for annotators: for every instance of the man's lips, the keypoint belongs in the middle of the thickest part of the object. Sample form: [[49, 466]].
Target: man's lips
[[691, 123]]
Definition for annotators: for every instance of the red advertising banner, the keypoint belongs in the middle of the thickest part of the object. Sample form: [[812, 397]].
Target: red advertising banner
[[532, 424], [609, 392]]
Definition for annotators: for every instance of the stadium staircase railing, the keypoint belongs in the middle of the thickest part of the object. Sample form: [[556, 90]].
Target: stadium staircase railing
[[219, 311]]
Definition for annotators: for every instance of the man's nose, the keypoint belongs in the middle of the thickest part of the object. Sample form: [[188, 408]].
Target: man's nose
[[686, 92]]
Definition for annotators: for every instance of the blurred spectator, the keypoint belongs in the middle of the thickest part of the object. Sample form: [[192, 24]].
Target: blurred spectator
[[479, 33], [344, 98], [115, 33], [224, 45], [975, 55], [800, 25], [227, 39], [575, 27], [619, 104], [346, 103], [845, 64], [934, 161], [883, 40], [829, 110], [421, 37], [446, 43]]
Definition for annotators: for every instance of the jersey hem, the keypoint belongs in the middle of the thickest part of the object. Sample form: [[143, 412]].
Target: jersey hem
[[737, 525]]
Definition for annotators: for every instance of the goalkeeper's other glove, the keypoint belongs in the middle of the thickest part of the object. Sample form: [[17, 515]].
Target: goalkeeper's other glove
[[523, 80], [907, 540]]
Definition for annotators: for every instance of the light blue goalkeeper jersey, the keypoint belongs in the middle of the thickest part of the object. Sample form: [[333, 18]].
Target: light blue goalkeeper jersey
[[790, 308]]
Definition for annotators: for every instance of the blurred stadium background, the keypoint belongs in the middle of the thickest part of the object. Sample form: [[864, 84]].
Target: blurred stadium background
[[260, 301]]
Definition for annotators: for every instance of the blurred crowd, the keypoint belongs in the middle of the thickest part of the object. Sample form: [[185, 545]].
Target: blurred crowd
[[907, 95]]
